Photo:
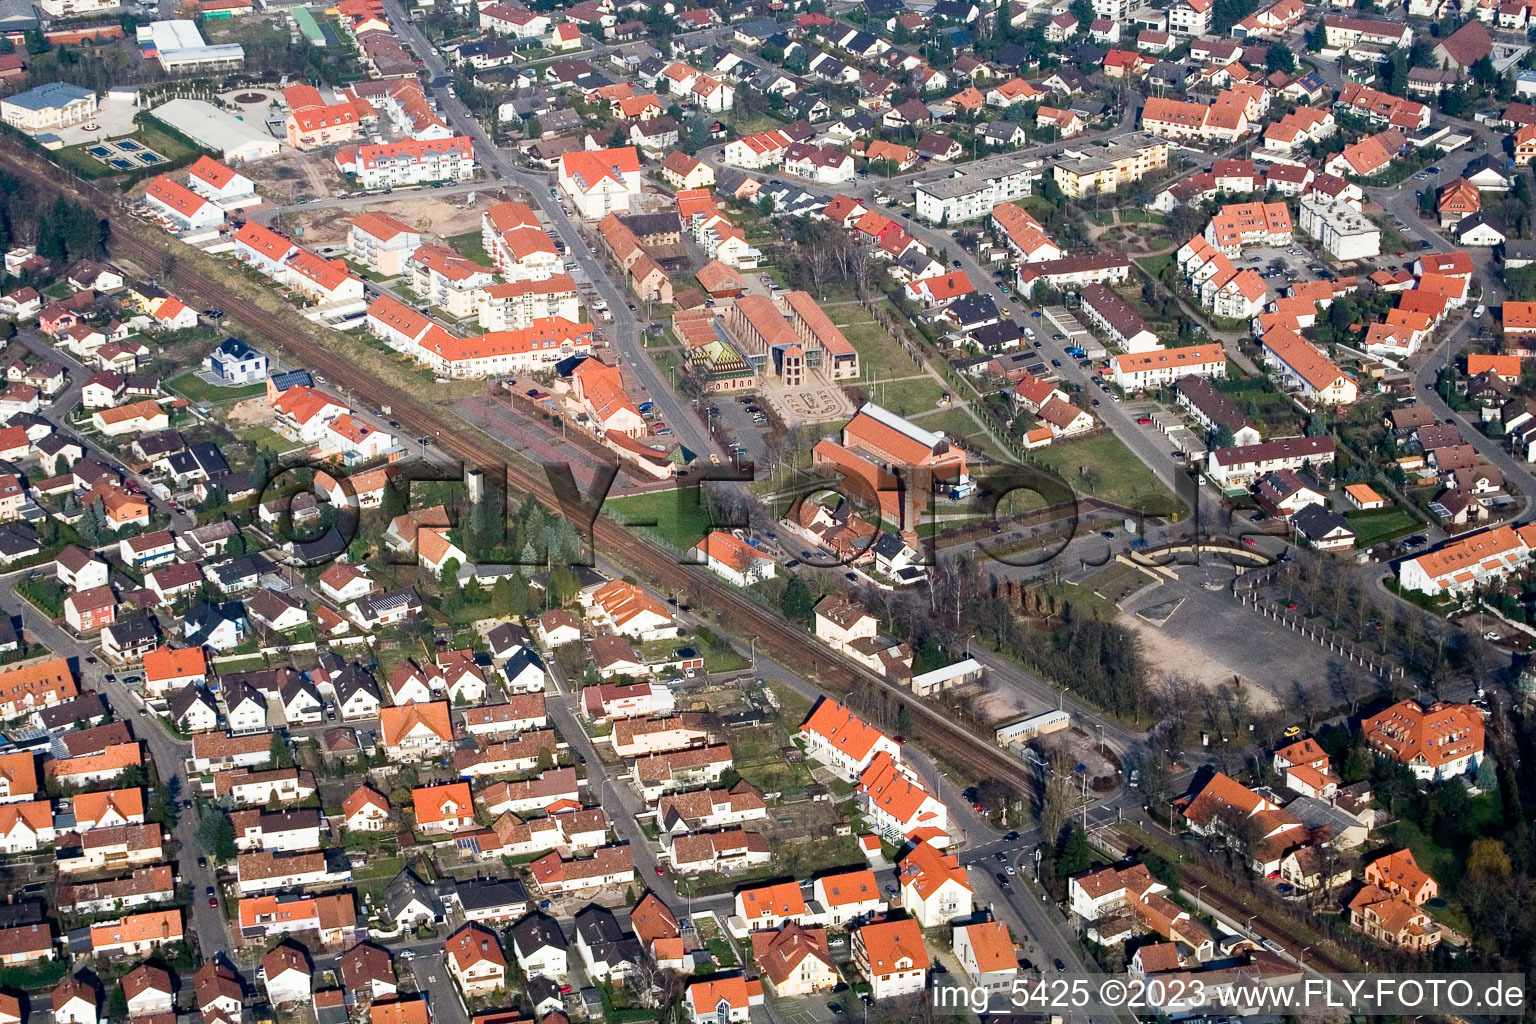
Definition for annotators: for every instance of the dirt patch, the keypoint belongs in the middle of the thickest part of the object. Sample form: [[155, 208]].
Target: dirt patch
[[253, 412], [282, 178], [1194, 664], [440, 217], [998, 706]]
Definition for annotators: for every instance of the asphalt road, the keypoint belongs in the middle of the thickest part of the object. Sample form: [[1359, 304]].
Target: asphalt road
[[625, 328], [167, 754]]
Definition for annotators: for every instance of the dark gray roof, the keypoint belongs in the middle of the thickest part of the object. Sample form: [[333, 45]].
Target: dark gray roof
[[404, 889], [237, 569], [128, 632], [235, 348], [355, 678], [1214, 405], [972, 309], [491, 893], [537, 931], [520, 662], [299, 686], [205, 617], [85, 708], [17, 540], [507, 636], [184, 699], [652, 223], [1315, 521]]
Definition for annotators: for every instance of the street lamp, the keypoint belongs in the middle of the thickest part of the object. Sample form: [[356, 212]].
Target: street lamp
[[1061, 698], [754, 654], [968, 644]]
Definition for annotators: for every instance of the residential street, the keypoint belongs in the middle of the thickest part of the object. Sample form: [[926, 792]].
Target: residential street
[[166, 753]]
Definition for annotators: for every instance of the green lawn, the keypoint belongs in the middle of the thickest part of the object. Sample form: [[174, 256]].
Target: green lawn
[[1377, 525], [87, 166], [880, 357], [268, 440], [1104, 467], [470, 247], [675, 515], [956, 422], [198, 390], [907, 397]]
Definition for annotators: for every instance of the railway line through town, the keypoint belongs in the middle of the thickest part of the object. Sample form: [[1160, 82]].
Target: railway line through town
[[779, 639]]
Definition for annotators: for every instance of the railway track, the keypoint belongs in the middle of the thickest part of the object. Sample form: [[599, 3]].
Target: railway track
[[784, 642]]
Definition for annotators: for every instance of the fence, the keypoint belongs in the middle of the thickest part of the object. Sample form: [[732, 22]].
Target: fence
[[1247, 599]]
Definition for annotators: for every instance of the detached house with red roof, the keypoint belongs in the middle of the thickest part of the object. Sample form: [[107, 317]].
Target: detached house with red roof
[[184, 208], [725, 999], [843, 741], [220, 183], [935, 887], [733, 559], [1224, 807], [892, 956], [600, 182], [898, 806], [305, 414], [1436, 743]]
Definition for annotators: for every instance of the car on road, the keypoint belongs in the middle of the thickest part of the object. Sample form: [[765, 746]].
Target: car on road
[[660, 873], [1012, 870], [1002, 879], [1250, 542], [1011, 837], [1060, 966], [1000, 857], [1109, 534], [410, 954], [1477, 313], [956, 264], [1493, 634], [851, 577], [836, 1008], [1416, 540], [1056, 363], [714, 460]]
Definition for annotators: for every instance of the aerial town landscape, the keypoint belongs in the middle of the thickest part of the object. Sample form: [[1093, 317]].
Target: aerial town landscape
[[791, 511]]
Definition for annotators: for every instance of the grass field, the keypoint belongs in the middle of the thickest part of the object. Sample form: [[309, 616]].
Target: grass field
[[880, 357], [674, 515], [198, 390], [957, 423], [87, 166], [1112, 473], [1377, 525], [909, 396], [470, 247], [268, 439]]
